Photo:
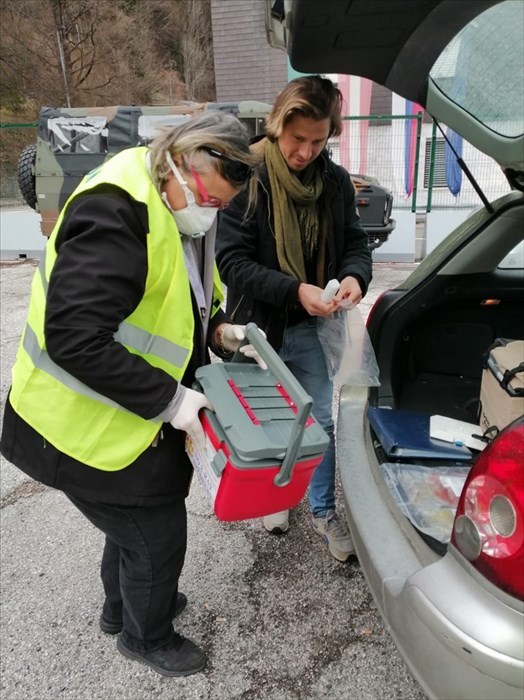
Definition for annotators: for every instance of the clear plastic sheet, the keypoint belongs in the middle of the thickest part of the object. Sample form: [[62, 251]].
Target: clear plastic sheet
[[350, 357], [427, 496]]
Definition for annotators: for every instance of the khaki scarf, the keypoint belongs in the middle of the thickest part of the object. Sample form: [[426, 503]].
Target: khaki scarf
[[300, 231]]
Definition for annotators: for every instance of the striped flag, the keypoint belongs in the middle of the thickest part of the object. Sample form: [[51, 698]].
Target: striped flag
[[354, 138], [410, 145]]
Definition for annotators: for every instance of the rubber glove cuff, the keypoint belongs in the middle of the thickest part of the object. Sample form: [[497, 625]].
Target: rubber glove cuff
[[187, 417]]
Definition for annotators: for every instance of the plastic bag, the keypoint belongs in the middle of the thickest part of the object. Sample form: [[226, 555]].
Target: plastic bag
[[350, 357], [427, 496]]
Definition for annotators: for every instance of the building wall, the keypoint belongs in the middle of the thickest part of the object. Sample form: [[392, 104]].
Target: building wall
[[246, 67], [380, 100]]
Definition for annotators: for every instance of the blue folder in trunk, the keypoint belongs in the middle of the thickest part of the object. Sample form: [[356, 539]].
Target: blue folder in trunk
[[405, 434]]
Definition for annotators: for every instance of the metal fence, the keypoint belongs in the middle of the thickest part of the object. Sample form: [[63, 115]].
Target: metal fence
[[410, 157], [404, 153]]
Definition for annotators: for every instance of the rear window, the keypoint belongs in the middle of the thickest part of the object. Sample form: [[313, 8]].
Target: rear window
[[481, 69], [514, 260]]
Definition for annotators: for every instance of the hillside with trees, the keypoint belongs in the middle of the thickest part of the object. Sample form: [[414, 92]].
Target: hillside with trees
[[79, 53], [75, 53]]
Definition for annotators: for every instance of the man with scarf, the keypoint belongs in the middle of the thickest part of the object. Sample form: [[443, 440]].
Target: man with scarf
[[277, 256]]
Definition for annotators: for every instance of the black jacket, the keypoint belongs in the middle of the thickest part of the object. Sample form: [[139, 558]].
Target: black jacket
[[257, 290], [98, 279]]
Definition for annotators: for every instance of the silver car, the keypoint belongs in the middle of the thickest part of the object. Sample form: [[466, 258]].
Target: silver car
[[440, 541]]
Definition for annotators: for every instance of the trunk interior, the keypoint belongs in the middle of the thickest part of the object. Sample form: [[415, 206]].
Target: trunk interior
[[430, 343], [440, 357]]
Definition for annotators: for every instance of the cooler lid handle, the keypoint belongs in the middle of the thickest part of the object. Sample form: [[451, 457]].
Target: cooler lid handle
[[302, 400]]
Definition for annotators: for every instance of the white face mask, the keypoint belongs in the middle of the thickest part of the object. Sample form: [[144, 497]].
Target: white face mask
[[192, 220]]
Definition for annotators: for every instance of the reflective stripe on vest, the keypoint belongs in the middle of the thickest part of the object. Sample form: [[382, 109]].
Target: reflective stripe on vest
[[137, 339], [74, 418]]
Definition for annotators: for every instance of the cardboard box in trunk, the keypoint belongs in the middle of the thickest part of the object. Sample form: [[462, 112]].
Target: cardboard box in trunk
[[502, 387]]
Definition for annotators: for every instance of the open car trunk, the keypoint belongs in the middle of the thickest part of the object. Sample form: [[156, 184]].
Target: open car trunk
[[431, 339]]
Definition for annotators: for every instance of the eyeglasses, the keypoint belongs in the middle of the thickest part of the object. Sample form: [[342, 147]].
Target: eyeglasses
[[234, 170], [207, 201]]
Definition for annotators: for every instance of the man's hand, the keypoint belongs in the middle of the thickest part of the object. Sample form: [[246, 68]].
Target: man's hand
[[349, 294], [309, 297]]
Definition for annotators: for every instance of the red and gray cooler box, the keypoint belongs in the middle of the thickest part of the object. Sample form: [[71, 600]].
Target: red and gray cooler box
[[262, 443]]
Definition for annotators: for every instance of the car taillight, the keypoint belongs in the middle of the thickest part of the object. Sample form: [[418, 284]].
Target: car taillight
[[489, 522], [374, 307]]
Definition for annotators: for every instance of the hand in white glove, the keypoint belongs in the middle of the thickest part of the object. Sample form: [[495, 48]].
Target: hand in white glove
[[233, 335], [187, 419]]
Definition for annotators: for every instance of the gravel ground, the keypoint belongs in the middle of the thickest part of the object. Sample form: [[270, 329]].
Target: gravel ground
[[278, 616]]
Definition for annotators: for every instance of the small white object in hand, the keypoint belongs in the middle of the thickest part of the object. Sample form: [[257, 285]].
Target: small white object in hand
[[330, 290]]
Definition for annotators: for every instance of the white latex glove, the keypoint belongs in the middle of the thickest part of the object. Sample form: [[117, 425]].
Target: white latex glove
[[187, 418], [233, 335]]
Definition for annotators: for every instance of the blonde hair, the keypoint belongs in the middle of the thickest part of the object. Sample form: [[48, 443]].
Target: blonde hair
[[213, 130], [312, 97]]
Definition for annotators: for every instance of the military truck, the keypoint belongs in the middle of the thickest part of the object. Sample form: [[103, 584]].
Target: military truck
[[71, 142]]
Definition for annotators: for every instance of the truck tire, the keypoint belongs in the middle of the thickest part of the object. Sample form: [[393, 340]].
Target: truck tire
[[26, 176]]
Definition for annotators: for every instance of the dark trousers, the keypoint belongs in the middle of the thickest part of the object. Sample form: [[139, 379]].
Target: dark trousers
[[141, 564]]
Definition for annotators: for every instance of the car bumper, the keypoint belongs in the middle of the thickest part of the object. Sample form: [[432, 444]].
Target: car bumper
[[457, 637], [380, 230], [377, 235]]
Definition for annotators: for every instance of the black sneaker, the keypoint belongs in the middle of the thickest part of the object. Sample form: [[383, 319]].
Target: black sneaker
[[110, 627], [179, 657]]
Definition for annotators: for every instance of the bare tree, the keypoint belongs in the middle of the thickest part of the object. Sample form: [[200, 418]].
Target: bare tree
[[80, 52], [22, 80], [184, 42], [197, 51], [100, 52]]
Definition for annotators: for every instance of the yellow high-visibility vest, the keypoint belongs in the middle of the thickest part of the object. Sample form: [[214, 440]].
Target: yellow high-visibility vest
[[75, 419]]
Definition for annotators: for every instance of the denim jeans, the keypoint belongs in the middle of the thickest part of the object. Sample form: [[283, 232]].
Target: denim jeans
[[302, 353], [142, 560]]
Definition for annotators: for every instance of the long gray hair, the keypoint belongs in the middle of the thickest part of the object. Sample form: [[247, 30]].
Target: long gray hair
[[213, 130]]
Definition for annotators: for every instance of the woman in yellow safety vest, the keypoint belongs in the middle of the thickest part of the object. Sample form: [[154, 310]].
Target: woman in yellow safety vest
[[123, 308]]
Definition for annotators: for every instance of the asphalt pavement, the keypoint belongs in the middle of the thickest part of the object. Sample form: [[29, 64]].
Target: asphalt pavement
[[279, 618]]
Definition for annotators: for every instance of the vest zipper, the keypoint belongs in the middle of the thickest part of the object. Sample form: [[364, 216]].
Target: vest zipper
[[158, 436]]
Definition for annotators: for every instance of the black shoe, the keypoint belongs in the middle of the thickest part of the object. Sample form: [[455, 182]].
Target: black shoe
[[110, 627], [179, 657]]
